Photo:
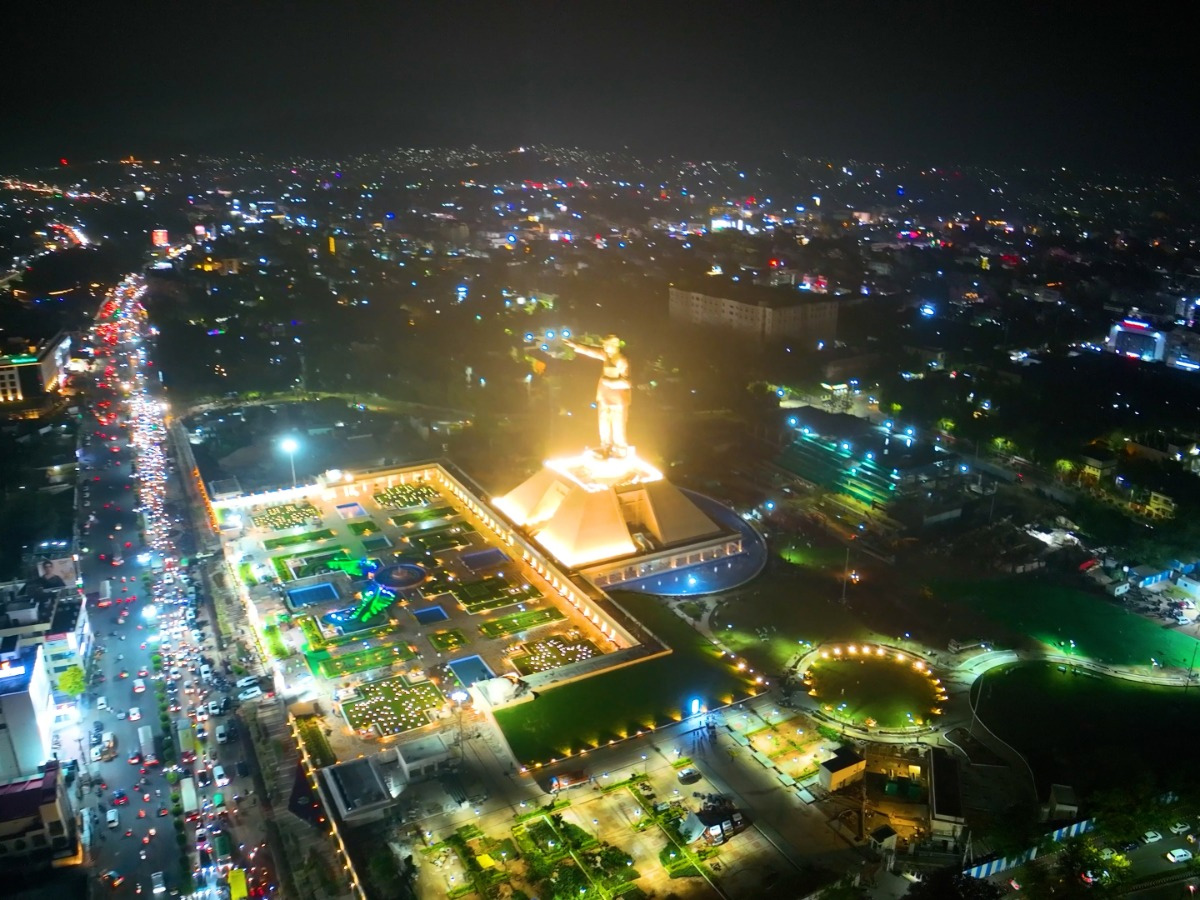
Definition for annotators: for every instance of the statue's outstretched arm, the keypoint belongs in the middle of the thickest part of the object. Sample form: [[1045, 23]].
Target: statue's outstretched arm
[[584, 350]]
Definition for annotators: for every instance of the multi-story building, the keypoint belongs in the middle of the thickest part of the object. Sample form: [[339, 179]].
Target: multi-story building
[[56, 618], [31, 377], [757, 311], [26, 710], [37, 827]]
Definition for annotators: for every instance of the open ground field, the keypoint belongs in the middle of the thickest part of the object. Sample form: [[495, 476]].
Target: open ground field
[[1084, 730], [615, 705]]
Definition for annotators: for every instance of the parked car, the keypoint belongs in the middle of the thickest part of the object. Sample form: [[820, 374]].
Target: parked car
[[252, 693], [1180, 855]]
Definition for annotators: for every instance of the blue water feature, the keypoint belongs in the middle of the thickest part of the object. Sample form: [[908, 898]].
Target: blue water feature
[[351, 511], [343, 620], [313, 594], [430, 614], [402, 575], [470, 670], [713, 576]]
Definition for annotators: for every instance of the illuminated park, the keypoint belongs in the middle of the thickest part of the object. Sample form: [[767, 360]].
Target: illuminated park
[[874, 687]]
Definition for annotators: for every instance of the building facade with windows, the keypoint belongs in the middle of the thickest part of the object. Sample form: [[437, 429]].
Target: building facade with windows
[[37, 826], [765, 313], [26, 710]]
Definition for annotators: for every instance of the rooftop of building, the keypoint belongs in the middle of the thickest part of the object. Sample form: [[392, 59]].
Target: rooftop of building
[[431, 747], [29, 348], [843, 758], [23, 798], [945, 792], [358, 784]]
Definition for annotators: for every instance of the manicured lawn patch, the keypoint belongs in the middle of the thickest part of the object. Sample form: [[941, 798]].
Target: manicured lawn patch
[[364, 660], [309, 537], [246, 573], [423, 515], [552, 652], [491, 593], [402, 496], [392, 705], [1055, 615], [361, 528], [275, 643], [286, 515], [616, 704], [511, 624], [446, 641]]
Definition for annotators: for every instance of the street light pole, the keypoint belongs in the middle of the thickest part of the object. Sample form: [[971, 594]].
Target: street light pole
[[290, 446]]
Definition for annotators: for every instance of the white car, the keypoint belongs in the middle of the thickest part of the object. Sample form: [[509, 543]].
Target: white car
[[138, 685], [1179, 855], [160, 886], [219, 776], [134, 714], [1151, 837], [1180, 828], [252, 693], [102, 703]]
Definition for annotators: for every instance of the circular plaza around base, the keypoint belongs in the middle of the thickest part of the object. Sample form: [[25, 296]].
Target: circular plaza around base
[[873, 687], [402, 575]]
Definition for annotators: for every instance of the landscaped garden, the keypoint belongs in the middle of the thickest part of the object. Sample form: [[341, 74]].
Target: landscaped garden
[[435, 540], [401, 496], [392, 705], [446, 641], [617, 704], [552, 652], [517, 622], [328, 666], [275, 643], [285, 515], [246, 573], [423, 515], [309, 537], [491, 593], [866, 685], [361, 528], [315, 742], [290, 568]]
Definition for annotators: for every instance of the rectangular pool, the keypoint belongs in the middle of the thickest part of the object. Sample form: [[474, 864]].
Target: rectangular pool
[[470, 670], [430, 615], [351, 511], [314, 593], [483, 559]]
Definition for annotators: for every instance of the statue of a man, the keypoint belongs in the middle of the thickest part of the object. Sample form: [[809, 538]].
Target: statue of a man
[[613, 393]]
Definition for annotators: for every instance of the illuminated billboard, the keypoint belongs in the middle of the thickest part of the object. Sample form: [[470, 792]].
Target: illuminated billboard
[[158, 237]]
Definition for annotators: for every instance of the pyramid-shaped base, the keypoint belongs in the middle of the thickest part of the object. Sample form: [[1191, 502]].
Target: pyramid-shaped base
[[584, 509]]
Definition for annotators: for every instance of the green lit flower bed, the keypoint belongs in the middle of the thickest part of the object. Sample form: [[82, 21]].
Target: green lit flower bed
[[392, 706], [309, 537], [511, 624], [873, 687]]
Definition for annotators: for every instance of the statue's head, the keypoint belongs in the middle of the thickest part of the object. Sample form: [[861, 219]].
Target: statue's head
[[611, 345]]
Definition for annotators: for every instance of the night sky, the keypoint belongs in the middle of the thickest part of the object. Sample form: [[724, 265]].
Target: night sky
[[923, 82]]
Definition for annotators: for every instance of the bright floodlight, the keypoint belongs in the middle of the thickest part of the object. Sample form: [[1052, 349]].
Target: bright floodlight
[[289, 445]]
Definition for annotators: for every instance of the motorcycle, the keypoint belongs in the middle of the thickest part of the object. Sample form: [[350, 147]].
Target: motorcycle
[[129, 833], [141, 814], [162, 810], [142, 854]]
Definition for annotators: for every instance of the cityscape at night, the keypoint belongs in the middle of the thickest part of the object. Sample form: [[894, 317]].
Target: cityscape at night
[[591, 451]]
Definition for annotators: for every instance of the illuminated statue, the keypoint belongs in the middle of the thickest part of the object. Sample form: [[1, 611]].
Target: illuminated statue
[[613, 393]]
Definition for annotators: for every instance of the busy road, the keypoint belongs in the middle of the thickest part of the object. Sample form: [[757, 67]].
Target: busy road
[[160, 748]]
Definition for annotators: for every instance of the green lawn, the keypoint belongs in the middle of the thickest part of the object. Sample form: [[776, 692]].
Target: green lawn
[[1055, 615], [309, 537], [511, 624], [392, 705], [1087, 731], [361, 660], [402, 496], [445, 641], [361, 528], [552, 652], [424, 515], [246, 574], [593, 711], [857, 689]]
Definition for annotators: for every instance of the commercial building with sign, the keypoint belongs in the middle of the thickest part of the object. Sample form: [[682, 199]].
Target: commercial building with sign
[[30, 379], [26, 710]]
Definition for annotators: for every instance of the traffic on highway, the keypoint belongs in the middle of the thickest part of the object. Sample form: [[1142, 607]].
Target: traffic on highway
[[160, 744]]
